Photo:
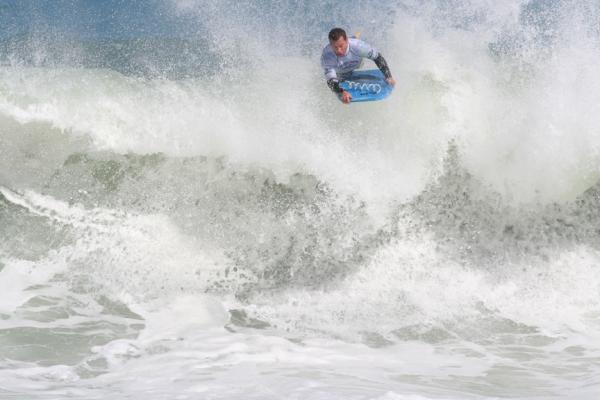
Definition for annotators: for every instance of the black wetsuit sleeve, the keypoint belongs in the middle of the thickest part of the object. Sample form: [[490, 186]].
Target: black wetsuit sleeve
[[383, 67], [334, 85]]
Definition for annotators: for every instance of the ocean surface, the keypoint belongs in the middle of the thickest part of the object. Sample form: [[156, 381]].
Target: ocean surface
[[187, 212]]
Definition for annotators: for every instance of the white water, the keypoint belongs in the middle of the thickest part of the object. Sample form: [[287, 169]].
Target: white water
[[222, 236]]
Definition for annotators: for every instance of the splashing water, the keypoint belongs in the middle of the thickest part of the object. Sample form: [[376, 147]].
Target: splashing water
[[187, 212]]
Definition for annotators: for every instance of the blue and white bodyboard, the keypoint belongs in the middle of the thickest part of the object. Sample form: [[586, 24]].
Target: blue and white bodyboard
[[369, 85]]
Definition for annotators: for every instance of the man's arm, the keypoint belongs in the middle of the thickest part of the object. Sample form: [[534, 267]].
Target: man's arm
[[367, 51], [334, 85], [331, 76], [332, 80], [383, 67]]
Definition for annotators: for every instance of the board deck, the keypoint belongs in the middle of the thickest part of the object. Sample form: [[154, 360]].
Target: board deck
[[368, 85]]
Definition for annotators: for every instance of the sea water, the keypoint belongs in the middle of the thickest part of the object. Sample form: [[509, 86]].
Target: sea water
[[187, 212]]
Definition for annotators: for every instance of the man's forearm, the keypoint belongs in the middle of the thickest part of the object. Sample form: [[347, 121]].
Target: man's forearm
[[334, 85], [383, 67]]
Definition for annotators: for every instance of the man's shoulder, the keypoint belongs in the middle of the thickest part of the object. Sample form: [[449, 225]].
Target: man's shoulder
[[356, 43], [362, 48], [327, 51], [328, 55]]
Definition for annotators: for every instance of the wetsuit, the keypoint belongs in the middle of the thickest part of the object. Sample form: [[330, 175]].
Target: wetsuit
[[337, 68]]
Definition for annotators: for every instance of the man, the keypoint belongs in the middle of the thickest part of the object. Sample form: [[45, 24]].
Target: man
[[342, 56]]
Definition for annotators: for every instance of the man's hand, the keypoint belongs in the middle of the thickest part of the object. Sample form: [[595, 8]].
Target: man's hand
[[391, 81], [346, 97]]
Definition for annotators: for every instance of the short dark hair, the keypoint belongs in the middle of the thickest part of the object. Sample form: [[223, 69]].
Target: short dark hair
[[337, 33]]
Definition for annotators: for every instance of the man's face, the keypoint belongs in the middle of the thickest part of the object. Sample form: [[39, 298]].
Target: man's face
[[339, 46]]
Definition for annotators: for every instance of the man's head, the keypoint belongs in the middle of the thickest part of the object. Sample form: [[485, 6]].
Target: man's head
[[338, 41]]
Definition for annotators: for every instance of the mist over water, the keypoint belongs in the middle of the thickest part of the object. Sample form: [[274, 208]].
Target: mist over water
[[187, 212]]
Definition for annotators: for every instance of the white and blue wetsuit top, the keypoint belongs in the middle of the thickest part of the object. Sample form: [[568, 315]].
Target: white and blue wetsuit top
[[340, 67]]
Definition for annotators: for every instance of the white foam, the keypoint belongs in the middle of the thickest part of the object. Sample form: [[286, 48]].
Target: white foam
[[525, 122], [180, 318], [531, 136], [409, 282], [308, 133], [19, 275]]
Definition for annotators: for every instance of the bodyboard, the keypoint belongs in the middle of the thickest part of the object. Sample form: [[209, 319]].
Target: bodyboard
[[369, 85]]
